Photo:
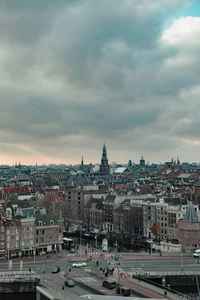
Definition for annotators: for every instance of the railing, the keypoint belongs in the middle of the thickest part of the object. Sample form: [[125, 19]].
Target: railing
[[48, 285], [139, 271], [180, 295], [11, 276]]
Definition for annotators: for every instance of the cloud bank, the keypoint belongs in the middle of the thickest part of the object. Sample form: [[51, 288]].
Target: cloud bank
[[77, 73]]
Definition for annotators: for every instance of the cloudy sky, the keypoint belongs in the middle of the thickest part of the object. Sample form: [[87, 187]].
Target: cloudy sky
[[77, 73]]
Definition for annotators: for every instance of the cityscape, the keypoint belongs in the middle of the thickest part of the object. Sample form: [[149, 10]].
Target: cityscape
[[129, 204], [99, 149]]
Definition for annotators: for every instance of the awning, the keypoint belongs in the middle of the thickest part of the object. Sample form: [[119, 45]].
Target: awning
[[14, 250], [43, 245], [53, 243]]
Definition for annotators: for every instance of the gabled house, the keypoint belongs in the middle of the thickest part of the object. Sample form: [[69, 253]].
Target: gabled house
[[48, 232]]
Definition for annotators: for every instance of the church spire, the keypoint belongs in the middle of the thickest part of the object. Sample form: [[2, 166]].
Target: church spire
[[104, 167], [104, 159]]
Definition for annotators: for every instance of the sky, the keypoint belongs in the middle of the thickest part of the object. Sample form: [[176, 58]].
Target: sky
[[76, 74]]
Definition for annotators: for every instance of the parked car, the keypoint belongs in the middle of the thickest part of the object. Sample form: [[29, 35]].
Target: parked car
[[69, 283], [79, 264], [55, 270], [109, 284], [72, 250], [42, 253], [125, 291]]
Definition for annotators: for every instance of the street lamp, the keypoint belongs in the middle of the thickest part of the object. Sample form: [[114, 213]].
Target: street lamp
[[80, 244], [116, 259], [181, 255]]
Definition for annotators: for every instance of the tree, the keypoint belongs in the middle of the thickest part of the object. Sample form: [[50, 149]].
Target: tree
[[155, 229]]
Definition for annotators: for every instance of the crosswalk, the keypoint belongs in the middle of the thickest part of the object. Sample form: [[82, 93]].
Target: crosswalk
[[94, 253], [89, 253], [70, 254], [85, 279]]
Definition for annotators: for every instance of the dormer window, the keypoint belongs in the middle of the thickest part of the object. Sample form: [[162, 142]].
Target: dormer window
[[51, 222], [40, 223]]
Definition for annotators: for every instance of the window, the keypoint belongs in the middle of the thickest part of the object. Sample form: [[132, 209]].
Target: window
[[2, 238], [51, 230], [42, 239], [12, 237], [2, 228], [43, 231], [23, 243], [36, 240], [186, 234], [37, 232], [23, 236], [28, 235], [60, 230], [8, 231], [40, 223], [27, 229], [23, 229], [51, 237], [51, 222]]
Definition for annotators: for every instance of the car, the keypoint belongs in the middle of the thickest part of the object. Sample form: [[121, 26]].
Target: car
[[125, 291], [79, 265], [55, 270], [196, 254], [109, 284], [69, 283], [72, 250]]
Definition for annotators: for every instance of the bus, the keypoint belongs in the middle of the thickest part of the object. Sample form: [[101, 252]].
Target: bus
[[68, 243]]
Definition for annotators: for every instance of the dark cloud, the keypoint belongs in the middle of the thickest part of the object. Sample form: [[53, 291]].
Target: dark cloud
[[76, 73]]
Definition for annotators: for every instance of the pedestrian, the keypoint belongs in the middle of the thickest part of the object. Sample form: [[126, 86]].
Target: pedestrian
[[90, 257], [103, 271], [165, 292], [97, 263], [70, 270], [67, 275], [63, 287]]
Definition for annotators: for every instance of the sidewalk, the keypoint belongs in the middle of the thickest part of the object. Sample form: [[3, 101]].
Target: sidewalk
[[141, 288]]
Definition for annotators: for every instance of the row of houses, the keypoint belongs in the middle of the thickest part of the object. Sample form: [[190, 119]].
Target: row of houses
[[29, 234]]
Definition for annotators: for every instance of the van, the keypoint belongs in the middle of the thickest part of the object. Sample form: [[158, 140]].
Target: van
[[196, 253], [109, 284]]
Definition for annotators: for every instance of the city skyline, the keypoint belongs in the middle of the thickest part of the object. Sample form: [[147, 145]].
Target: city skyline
[[80, 73]]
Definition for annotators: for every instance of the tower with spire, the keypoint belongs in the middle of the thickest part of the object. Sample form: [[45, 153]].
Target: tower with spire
[[104, 166]]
